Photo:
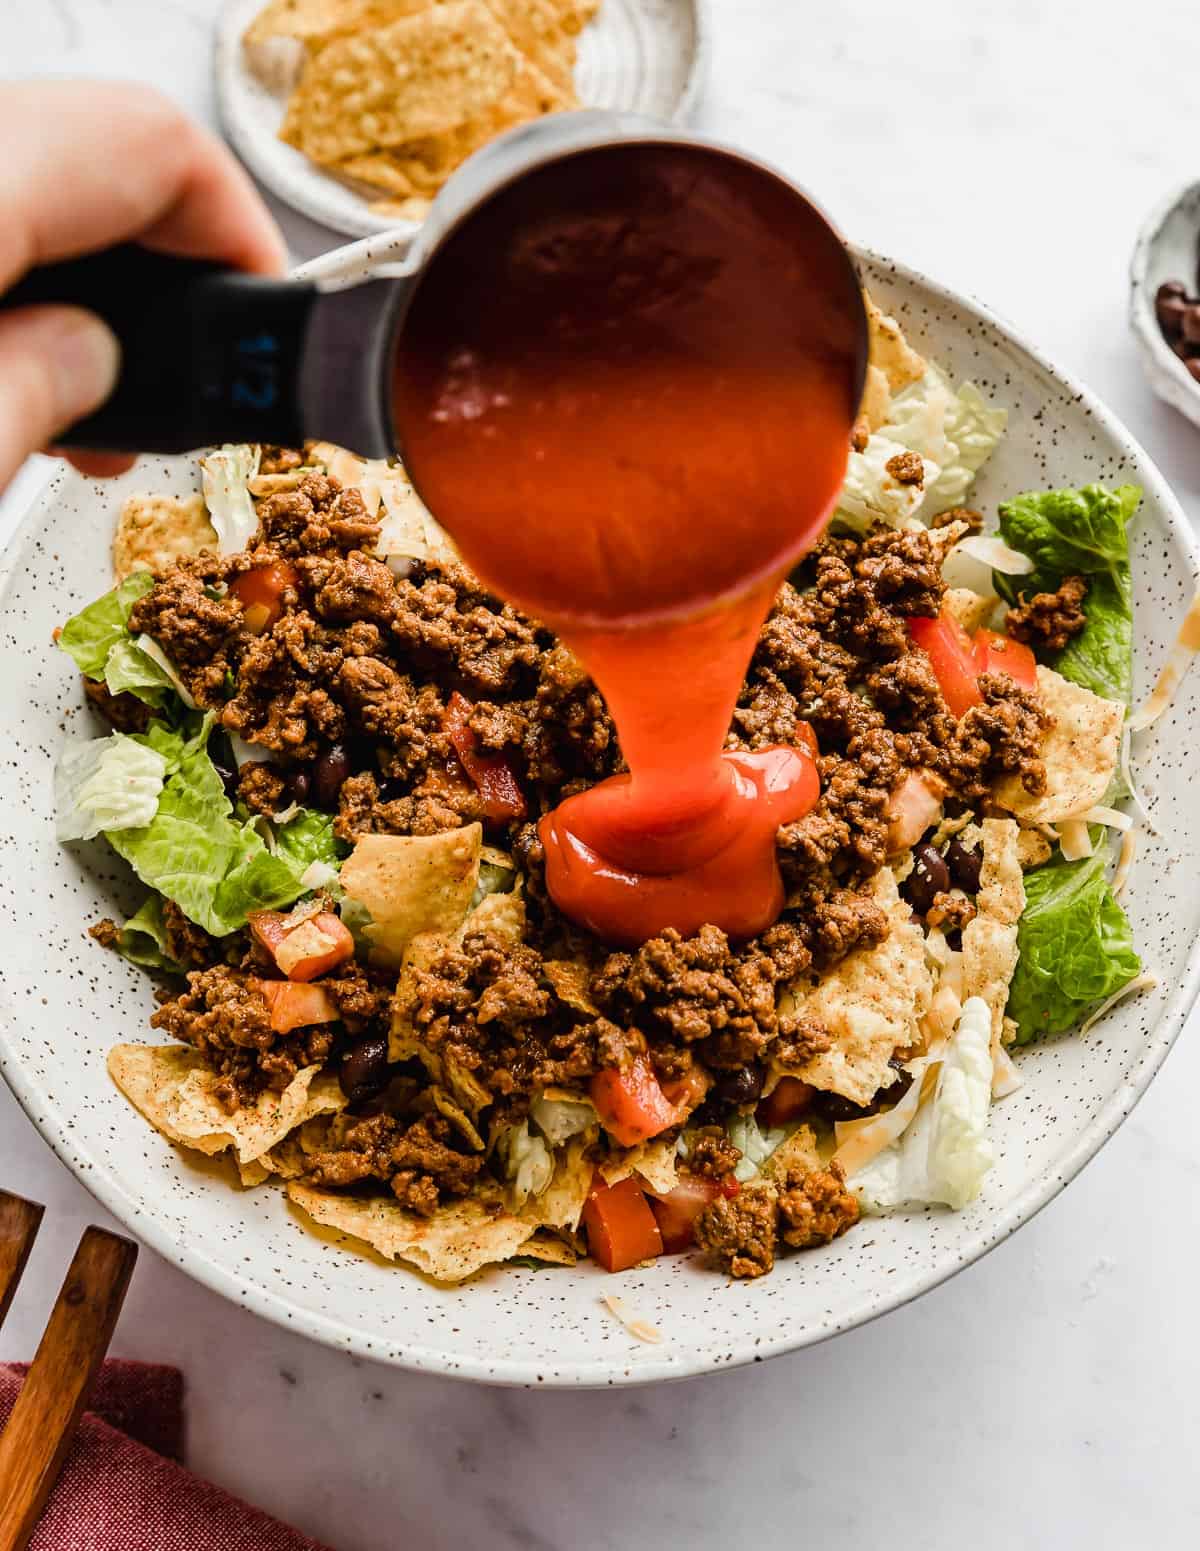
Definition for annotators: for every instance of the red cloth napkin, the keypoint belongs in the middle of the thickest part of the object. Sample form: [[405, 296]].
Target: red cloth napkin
[[122, 1488]]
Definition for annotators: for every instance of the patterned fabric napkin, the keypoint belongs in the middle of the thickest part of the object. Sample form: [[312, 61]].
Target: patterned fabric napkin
[[124, 1488]]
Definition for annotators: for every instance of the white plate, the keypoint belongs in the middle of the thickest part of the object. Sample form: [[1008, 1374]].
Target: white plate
[[641, 56], [65, 1001], [1168, 247]]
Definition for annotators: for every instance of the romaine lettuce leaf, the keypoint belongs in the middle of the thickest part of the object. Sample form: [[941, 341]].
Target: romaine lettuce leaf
[[225, 473], [309, 838], [131, 670], [91, 634], [106, 785], [1084, 533], [1076, 947], [194, 850], [143, 938], [944, 1154]]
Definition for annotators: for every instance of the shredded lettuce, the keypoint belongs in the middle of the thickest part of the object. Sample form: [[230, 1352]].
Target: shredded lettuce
[[944, 1153], [973, 428], [525, 1161], [194, 850], [560, 1119], [226, 473], [1084, 533], [309, 838], [98, 640], [143, 938], [870, 494], [106, 785], [1076, 946], [754, 1144]]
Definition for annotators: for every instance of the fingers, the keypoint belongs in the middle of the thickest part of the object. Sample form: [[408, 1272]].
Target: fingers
[[100, 465], [90, 164], [57, 364]]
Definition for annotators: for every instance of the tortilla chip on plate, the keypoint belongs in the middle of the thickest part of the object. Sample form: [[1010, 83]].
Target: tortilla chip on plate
[[316, 21], [798, 1151], [539, 30], [871, 1003], [412, 884], [155, 531], [419, 76], [655, 1162], [1001, 884], [1080, 751], [876, 402], [175, 1090]]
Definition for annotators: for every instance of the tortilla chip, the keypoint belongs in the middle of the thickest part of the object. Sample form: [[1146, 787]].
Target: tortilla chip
[[538, 30], [457, 1116], [560, 1205], [799, 1151], [501, 914], [655, 1162], [572, 982], [889, 350], [989, 958], [155, 531], [970, 609], [876, 403], [316, 21], [1001, 887], [455, 1242], [415, 208], [1032, 848], [871, 1004], [412, 884], [419, 76], [174, 1089], [1080, 751], [550, 1248]]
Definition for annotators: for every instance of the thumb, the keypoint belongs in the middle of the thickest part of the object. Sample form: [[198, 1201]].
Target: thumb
[[57, 364]]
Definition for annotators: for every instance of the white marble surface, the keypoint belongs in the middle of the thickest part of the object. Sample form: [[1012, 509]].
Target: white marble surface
[[1048, 1397]]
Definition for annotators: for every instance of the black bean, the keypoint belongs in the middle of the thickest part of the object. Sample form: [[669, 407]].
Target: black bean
[[834, 1108], [330, 770], [741, 1087], [299, 784], [928, 878], [964, 866], [364, 1069]]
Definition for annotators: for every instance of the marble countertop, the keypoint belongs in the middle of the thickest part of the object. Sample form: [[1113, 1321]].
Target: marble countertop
[[1049, 1396]]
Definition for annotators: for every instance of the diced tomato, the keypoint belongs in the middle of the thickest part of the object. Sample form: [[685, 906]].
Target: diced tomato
[[951, 655], [306, 948], [260, 592], [620, 1227], [631, 1103], [806, 739], [295, 1006], [789, 1098], [913, 807], [998, 653], [676, 1212], [493, 775], [686, 1092]]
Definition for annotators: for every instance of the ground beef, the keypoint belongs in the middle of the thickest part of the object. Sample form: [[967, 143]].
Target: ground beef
[[950, 911], [417, 1159], [711, 1153], [124, 712], [278, 460], [1050, 619], [225, 1018], [261, 787], [1000, 737], [182, 614], [318, 515], [189, 945], [955, 514], [906, 468], [738, 1233], [800, 1041], [815, 1207], [447, 621], [106, 932]]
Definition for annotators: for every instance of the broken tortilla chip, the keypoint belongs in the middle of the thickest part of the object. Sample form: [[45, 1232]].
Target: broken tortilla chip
[[989, 942], [572, 982], [797, 1152], [889, 350], [655, 1162], [971, 609], [175, 1090], [155, 531], [316, 21], [421, 75], [1080, 751], [1001, 891], [547, 1246], [876, 402], [871, 1004], [412, 884]]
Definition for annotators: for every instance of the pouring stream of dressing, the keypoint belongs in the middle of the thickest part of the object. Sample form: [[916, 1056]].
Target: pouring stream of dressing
[[629, 399]]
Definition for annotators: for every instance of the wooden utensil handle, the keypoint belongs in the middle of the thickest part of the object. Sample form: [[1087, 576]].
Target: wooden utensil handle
[[19, 1223], [42, 1423]]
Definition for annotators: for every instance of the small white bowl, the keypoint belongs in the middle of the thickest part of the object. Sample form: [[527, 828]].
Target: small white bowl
[[636, 56], [1168, 247]]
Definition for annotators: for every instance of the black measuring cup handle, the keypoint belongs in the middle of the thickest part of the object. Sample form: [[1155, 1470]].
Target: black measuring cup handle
[[212, 355]]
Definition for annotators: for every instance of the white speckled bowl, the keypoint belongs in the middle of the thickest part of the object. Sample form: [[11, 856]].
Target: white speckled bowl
[[1167, 248], [65, 1001], [636, 56]]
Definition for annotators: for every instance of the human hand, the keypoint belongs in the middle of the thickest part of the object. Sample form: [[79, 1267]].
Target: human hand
[[89, 164]]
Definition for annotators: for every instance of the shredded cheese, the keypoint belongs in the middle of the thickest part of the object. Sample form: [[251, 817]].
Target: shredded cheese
[[1134, 988], [1124, 862], [1074, 839], [640, 1329], [1110, 816], [994, 552], [1130, 785], [1179, 660]]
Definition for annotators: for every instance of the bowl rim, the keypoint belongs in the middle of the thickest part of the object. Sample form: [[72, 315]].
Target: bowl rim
[[1166, 373], [101, 1179]]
